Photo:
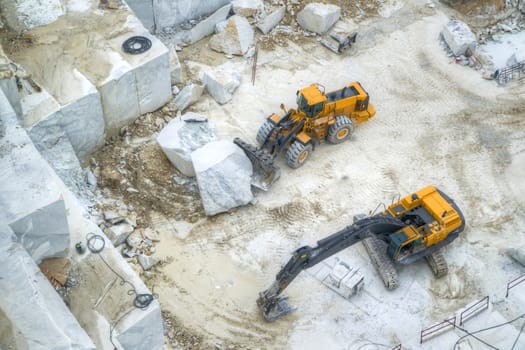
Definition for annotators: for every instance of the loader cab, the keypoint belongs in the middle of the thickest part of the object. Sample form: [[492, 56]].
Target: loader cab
[[311, 101]]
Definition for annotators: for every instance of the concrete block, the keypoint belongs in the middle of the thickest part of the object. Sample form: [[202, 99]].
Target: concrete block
[[459, 37], [184, 135], [222, 81], [188, 96], [223, 174], [41, 319], [31, 199], [247, 8], [318, 17], [21, 15], [269, 22], [169, 13], [234, 37]]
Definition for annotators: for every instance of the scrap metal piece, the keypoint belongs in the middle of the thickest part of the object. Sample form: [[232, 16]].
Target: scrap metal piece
[[339, 43]]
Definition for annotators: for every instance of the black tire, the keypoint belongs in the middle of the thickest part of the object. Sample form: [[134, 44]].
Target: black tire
[[341, 130], [264, 131], [298, 154]]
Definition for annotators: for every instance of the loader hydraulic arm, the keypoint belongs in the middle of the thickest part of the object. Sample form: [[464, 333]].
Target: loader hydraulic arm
[[274, 306]]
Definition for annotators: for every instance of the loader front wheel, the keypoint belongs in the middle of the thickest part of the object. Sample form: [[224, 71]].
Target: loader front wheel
[[341, 130], [298, 154], [264, 131]]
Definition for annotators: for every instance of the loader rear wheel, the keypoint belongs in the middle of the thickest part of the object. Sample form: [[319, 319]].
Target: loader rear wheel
[[341, 130], [264, 131], [298, 153]]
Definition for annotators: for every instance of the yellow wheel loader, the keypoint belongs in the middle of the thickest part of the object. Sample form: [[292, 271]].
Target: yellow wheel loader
[[319, 117], [415, 227]]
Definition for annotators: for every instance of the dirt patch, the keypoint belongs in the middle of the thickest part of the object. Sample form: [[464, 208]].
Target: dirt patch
[[134, 168]]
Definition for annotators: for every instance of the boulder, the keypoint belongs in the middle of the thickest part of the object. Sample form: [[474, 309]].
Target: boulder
[[188, 96], [147, 262], [459, 38], [118, 234], [182, 136], [22, 15], [234, 37], [247, 8], [203, 28], [222, 81], [223, 174], [273, 19], [318, 17]]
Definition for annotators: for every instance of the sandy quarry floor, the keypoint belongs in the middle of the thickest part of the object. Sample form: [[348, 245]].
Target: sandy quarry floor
[[437, 123]]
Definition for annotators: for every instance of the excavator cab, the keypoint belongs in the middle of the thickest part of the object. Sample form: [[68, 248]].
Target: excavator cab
[[404, 242]]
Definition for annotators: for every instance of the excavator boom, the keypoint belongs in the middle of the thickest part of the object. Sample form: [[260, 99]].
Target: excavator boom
[[413, 228]]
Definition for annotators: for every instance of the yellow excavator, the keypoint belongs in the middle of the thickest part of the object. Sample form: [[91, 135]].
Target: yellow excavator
[[415, 227], [319, 117]]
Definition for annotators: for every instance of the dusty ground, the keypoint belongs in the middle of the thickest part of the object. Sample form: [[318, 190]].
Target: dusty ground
[[437, 123]]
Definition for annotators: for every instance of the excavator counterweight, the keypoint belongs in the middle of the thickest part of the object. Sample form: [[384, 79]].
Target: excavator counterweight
[[415, 227]]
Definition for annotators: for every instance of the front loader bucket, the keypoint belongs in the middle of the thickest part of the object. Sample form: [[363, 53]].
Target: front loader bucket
[[265, 173]]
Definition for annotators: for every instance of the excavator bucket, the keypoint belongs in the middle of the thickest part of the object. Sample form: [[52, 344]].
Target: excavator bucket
[[339, 43], [275, 309], [265, 173]]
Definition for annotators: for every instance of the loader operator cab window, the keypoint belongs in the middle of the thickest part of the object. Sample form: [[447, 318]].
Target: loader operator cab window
[[310, 110]]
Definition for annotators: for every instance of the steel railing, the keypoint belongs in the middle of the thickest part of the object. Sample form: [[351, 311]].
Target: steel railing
[[473, 310], [514, 283], [440, 327]]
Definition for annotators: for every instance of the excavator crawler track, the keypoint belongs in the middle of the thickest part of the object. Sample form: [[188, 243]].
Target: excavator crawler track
[[437, 263], [376, 249]]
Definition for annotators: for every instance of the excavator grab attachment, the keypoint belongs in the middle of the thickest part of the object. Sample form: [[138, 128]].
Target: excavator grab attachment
[[265, 173]]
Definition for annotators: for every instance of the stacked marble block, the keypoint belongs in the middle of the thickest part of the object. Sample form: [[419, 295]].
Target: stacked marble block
[[40, 218], [80, 92]]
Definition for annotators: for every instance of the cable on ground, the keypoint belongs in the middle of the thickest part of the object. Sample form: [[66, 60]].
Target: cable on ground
[[96, 244]]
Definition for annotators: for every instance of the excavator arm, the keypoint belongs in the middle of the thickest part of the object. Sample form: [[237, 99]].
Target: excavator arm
[[273, 305]]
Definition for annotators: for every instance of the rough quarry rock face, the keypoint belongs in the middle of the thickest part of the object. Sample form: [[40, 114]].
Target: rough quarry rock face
[[175, 66], [517, 254], [31, 200], [188, 96], [31, 304], [169, 13], [204, 28], [234, 37], [459, 38], [223, 175], [273, 19], [247, 8], [318, 18], [184, 135], [222, 82], [26, 14]]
